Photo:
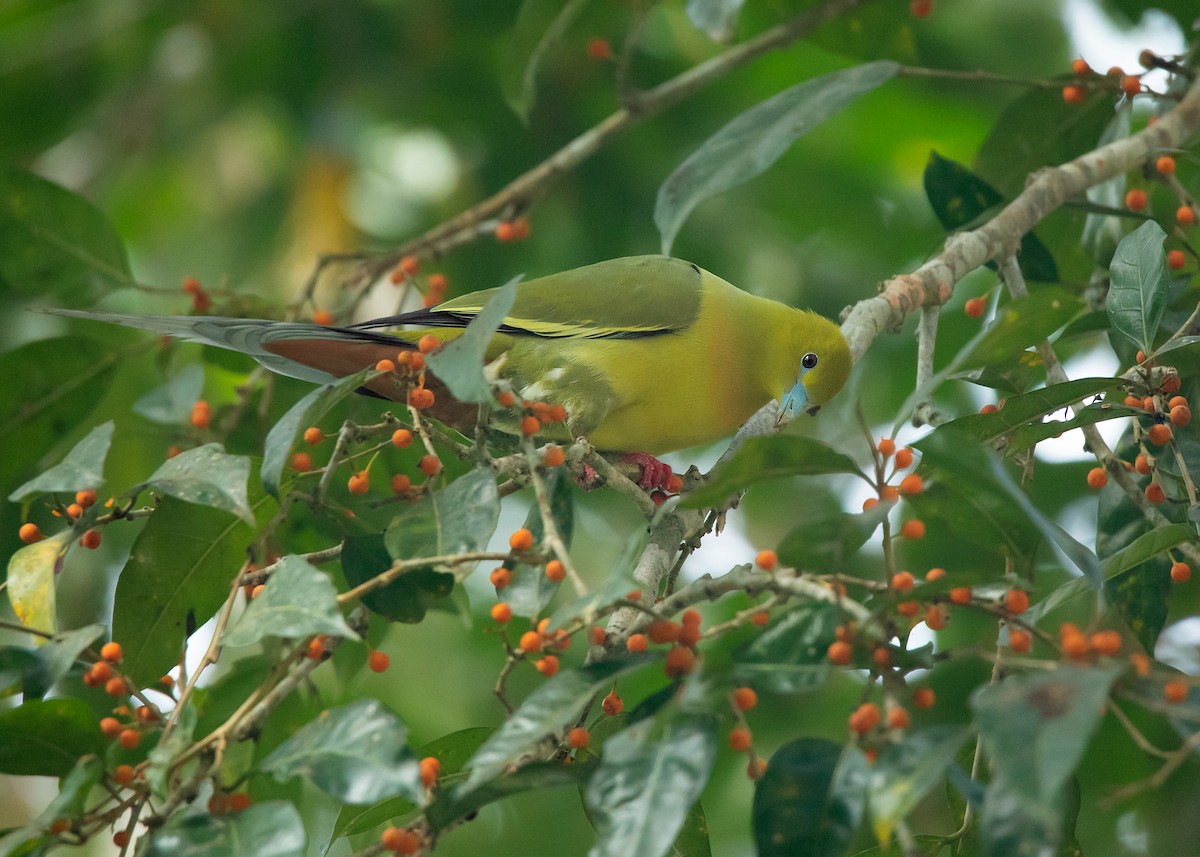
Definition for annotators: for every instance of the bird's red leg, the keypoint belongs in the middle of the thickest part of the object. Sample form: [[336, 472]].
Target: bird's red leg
[[656, 475]]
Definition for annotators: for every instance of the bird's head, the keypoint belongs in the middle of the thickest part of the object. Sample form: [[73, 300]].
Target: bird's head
[[824, 365]]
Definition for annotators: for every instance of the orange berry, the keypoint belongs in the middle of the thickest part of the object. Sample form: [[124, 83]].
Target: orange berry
[[598, 635], [85, 498], [886, 447], [322, 317], [934, 575], [865, 718], [302, 462], [612, 704], [1159, 434], [1135, 199], [960, 595], [410, 265], [578, 738], [201, 414], [840, 653], [191, 286], [437, 282], [756, 768], [315, 649], [898, 718], [882, 657], [636, 643], [530, 426], [1141, 464], [521, 540], [129, 738], [1171, 384], [401, 483], [1074, 94], [920, 8], [123, 775], [240, 802], [505, 399], [599, 49], [500, 577], [505, 231], [110, 727], [547, 666], [663, 631], [1176, 401], [912, 484], [377, 661], [908, 608], [60, 825], [924, 697], [889, 492], [421, 398], [430, 769], [74, 511], [691, 618], [1181, 572], [936, 617], [902, 582], [121, 838], [1165, 165], [976, 307], [555, 571], [1140, 663], [744, 698], [760, 618], [766, 560], [428, 343], [870, 503], [1176, 259], [740, 739], [1185, 215], [359, 483], [101, 672], [553, 456], [1107, 643], [1175, 691], [415, 362], [1016, 601], [531, 641], [501, 613], [254, 593], [1020, 640], [313, 435], [112, 652], [1131, 85], [1148, 402], [1080, 67], [90, 539], [1097, 478], [1074, 644], [1180, 415], [400, 840], [430, 465], [904, 458], [1154, 493], [385, 365], [680, 661], [913, 528], [30, 533]]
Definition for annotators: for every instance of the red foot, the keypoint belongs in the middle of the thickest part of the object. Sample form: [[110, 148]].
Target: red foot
[[655, 474]]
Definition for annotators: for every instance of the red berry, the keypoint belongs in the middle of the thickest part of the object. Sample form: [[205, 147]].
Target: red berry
[[1135, 199], [377, 661]]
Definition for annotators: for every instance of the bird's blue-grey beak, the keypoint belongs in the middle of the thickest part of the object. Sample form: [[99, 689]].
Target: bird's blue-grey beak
[[793, 403]]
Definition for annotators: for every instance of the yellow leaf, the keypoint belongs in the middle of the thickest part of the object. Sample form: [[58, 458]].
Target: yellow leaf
[[31, 583]]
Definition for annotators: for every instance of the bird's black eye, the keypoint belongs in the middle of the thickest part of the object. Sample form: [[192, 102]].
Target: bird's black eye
[[809, 360]]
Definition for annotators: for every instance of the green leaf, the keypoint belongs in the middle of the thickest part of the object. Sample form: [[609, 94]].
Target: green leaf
[[46, 737], [16, 664], [717, 18], [1036, 727], [546, 711], [53, 241], [1147, 546], [178, 573], [1027, 410], [73, 790], [530, 590], [811, 799], [55, 659], [408, 597], [649, 777], [163, 756], [50, 386], [459, 518], [540, 23], [453, 805], [1026, 437], [1139, 287], [205, 476], [83, 467], [908, 770], [767, 458], [297, 601], [961, 200], [30, 582], [357, 753], [755, 139], [306, 412], [829, 537], [790, 656], [171, 404], [1013, 822], [270, 829], [459, 363]]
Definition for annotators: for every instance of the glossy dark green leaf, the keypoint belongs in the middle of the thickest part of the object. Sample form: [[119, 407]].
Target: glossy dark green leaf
[[81, 469], [908, 771], [540, 25], [1036, 727], [459, 363], [649, 777], [717, 18], [53, 241], [56, 657], [754, 140], [205, 476], [270, 829], [181, 565], [1021, 323], [829, 537], [530, 590], [453, 805], [1146, 547], [1139, 287], [1026, 437], [306, 412], [766, 458], [171, 404], [790, 656], [1028, 409], [297, 601], [46, 737], [545, 712], [16, 662], [811, 799], [460, 517], [50, 386], [408, 597], [357, 753]]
